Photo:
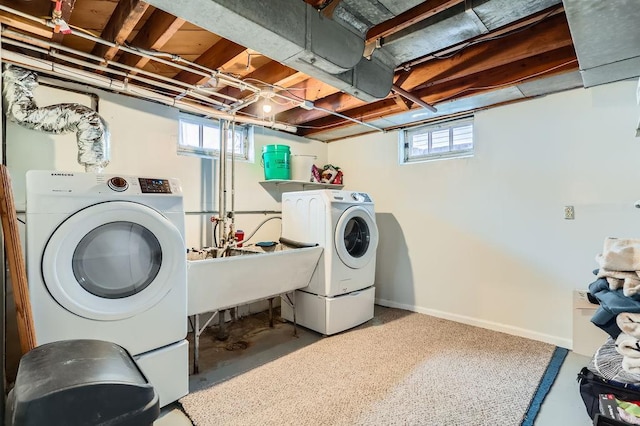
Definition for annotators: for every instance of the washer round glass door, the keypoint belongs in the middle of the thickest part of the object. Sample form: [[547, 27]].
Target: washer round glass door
[[112, 260], [356, 237]]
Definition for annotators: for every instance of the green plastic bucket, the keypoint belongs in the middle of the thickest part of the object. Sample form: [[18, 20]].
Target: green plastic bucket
[[275, 160]]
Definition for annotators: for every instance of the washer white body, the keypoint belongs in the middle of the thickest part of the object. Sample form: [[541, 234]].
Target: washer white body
[[340, 294], [106, 259]]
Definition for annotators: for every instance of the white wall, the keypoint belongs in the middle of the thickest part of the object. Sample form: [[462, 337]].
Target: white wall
[[483, 240], [144, 142]]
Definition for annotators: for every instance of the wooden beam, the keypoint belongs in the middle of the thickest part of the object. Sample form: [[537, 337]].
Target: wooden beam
[[407, 80], [25, 25], [155, 33], [550, 34], [528, 21], [67, 9], [336, 102], [38, 8], [546, 36], [271, 73], [410, 17], [544, 65], [330, 8], [123, 20], [15, 260], [402, 102], [215, 57]]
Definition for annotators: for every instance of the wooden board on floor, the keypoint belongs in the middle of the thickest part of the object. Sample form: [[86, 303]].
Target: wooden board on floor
[[17, 269]]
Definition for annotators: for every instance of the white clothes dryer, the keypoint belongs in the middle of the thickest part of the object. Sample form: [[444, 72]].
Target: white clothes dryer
[[106, 259], [340, 294]]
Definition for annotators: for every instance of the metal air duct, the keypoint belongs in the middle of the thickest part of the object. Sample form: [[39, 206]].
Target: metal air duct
[[295, 34], [458, 24], [606, 35], [91, 130]]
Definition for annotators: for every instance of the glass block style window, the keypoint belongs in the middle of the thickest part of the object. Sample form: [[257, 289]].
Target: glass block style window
[[201, 137], [437, 141]]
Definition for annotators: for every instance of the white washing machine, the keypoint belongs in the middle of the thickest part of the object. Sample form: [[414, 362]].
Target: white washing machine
[[340, 294], [106, 259]]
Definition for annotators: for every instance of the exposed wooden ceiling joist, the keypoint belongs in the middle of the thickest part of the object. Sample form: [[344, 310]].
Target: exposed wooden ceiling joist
[[160, 27], [25, 25], [507, 30], [215, 57], [550, 63], [458, 71], [549, 35], [308, 89], [122, 22], [272, 74], [410, 17]]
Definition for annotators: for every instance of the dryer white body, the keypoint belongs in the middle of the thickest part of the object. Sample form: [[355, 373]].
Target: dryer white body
[[106, 260]]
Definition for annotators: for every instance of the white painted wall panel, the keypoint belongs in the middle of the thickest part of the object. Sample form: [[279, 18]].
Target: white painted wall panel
[[483, 240], [144, 139]]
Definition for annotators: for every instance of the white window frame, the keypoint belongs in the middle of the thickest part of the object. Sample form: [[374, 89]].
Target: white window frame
[[200, 151], [406, 135]]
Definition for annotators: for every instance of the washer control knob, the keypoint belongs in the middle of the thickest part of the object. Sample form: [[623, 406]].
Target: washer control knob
[[355, 196], [118, 184]]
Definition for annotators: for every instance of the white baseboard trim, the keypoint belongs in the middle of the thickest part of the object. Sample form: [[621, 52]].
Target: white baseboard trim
[[490, 325]]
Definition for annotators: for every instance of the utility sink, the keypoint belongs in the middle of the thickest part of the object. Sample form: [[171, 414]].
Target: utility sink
[[247, 275]]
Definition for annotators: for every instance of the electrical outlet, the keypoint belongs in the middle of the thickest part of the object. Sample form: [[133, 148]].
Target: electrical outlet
[[569, 213]]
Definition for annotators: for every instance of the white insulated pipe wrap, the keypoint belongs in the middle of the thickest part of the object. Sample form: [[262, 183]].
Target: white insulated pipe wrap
[[91, 130]]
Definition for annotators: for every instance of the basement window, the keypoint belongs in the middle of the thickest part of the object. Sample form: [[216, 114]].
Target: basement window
[[448, 139], [201, 137]]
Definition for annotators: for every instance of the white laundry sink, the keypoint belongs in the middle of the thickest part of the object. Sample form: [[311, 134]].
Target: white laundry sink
[[248, 275]]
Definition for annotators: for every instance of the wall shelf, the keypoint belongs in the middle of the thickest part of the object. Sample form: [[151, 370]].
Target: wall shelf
[[284, 185]]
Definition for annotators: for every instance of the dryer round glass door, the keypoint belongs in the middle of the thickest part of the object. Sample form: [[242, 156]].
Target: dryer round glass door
[[117, 260], [113, 260], [356, 237]]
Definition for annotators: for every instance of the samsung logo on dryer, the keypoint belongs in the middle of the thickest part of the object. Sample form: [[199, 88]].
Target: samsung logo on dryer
[[61, 174]]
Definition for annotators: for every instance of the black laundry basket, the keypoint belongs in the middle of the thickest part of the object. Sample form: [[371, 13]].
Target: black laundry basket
[[81, 382]]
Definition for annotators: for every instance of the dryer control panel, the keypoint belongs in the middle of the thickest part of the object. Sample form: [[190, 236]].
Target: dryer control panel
[[353, 197], [154, 186], [360, 197]]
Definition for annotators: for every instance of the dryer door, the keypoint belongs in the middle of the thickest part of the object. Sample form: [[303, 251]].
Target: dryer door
[[356, 237], [113, 260]]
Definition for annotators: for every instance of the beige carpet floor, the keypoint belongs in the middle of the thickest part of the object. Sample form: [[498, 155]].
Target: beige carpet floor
[[401, 368]]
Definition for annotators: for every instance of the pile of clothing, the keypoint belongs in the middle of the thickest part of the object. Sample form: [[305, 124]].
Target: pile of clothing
[[617, 291], [620, 265], [618, 286], [628, 341]]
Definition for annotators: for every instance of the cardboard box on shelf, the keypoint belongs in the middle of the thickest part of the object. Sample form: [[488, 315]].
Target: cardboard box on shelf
[[587, 338]]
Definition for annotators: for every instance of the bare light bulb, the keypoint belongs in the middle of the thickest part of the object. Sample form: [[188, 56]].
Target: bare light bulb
[[266, 108]]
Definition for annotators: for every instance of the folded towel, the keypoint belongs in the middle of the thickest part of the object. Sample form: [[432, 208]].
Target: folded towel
[[632, 365], [630, 287], [620, 254], [627, 280], [628, 346], [629, 323]]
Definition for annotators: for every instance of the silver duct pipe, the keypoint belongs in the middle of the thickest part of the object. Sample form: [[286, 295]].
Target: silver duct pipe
[[91, 130], [294, 34], [377, 80]]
